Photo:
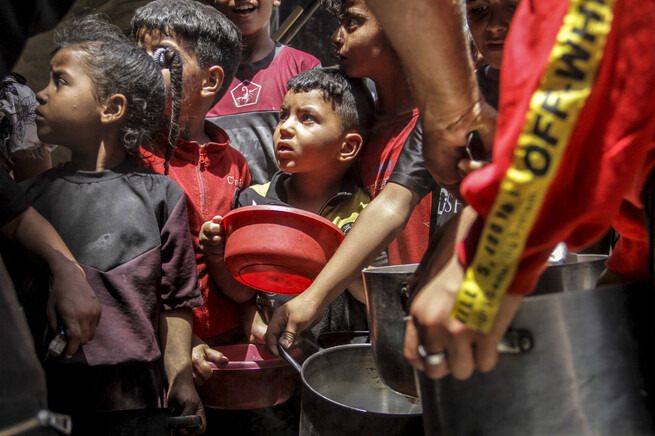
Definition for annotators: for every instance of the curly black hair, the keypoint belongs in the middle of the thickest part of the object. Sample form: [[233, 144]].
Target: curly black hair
[[117, 66], [335, 7], [215, 40], [350, 97]]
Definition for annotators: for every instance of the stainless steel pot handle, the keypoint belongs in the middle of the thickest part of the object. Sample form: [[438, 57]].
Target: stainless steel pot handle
[[516, 341], [290, 360]]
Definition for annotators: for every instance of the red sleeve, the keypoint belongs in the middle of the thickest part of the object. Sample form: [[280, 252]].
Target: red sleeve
[[609, 151]]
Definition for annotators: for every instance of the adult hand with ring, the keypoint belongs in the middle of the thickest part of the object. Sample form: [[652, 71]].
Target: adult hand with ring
[[433, 359], [439, 344]]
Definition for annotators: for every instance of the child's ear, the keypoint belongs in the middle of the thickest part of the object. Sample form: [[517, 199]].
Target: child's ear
[[213, 81], [114, 109], [350, 147]]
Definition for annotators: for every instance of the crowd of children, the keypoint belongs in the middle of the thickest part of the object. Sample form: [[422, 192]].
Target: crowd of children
[[200, 112]]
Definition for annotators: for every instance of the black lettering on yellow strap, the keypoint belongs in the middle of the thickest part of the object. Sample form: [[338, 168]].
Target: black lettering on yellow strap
[[549, 122]]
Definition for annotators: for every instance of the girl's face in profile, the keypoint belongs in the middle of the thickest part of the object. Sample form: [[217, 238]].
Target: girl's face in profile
[[489, 22], [69, 113]]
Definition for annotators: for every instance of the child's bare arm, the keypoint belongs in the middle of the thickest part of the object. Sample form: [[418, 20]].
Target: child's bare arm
[[378, 224], [175, 335], [71, 297], [212, 243], [253, 323]]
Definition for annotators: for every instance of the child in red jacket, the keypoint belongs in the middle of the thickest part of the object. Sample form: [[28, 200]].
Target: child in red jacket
[[201, 159]]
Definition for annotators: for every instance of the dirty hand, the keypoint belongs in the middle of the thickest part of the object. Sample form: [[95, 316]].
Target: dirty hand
[[432, 328], [73, 301], [184, 400], [212, 239], [291, 319], [201, 355]]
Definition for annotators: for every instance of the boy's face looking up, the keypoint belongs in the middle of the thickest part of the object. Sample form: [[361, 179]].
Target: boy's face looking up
[[69, 113], [309, 135], [360, 45], [489, 22], [250, 16], [192, 74]]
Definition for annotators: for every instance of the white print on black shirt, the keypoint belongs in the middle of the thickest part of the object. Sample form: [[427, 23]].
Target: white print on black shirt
[[448, 203], [245, 93]]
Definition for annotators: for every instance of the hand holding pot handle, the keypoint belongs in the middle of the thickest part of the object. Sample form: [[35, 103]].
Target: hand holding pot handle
[[291, 319], [290, 360]]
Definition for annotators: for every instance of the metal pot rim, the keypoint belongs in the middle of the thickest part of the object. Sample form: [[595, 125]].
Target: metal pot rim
[[340, 348]]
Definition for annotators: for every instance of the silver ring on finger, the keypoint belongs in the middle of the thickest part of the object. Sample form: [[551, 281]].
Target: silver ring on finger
[[431, 359]]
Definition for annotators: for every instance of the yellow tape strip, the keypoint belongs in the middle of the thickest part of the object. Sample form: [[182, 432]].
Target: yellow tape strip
[[553, 113]]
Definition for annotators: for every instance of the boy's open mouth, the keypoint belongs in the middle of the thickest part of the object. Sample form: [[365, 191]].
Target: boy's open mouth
[[244, 9]]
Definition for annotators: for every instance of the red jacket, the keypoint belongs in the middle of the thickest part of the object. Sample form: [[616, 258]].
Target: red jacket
[[209, 174], [587, 94]]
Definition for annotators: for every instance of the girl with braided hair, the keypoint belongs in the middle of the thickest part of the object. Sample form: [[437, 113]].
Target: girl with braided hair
[[127, 226], [199, 51]]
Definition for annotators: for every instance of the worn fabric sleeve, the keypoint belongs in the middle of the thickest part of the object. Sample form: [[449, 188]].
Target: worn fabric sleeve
[[591, 73]]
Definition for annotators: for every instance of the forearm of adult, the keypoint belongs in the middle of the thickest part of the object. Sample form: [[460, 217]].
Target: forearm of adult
[[71, 297], [379, 223], [428, 36]]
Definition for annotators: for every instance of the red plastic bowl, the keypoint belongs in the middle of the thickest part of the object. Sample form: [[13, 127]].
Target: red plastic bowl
[[253, 378], [276, 248]]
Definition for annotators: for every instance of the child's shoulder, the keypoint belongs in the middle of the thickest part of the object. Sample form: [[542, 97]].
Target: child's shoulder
[[269, 193], [152, 181]]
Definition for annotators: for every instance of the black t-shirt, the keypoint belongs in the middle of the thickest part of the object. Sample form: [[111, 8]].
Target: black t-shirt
[[411, 173]]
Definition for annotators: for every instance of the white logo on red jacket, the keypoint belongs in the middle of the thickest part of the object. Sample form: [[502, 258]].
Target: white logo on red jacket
[[245, 93]]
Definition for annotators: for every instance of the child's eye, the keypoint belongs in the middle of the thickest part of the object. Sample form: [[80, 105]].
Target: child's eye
[[58, 81], [307, 118], [350, 22], [477, 11], [283, 115]]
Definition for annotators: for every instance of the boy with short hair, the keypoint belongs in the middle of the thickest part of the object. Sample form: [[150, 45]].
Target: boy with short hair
[[202, 161], [249, 110], [390, 169], [324, 121]]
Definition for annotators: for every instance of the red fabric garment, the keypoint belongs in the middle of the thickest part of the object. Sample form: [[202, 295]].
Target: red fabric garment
[[261, 86], [611, 149], [375, 166], [209, 174]]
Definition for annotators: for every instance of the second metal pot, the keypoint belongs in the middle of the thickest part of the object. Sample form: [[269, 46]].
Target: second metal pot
[[343, 395]]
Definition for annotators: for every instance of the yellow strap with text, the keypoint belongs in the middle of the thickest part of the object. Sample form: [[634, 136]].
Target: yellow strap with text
[[552, 115]]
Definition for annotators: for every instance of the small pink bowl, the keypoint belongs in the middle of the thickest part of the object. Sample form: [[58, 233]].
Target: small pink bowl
[[253, 378]]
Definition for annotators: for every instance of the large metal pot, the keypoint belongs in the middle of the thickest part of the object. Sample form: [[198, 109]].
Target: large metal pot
[[590, 371], [343, 395], [386, 299]]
